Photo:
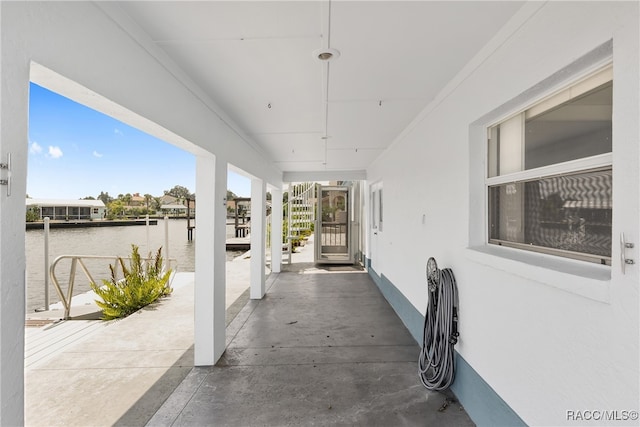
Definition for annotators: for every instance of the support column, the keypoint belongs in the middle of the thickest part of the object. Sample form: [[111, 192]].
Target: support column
[[258, 216], [210, 276], [14, 113], [276, 230]]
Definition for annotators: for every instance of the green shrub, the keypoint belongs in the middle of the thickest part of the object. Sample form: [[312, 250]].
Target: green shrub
[[33, 214], [142, 284]]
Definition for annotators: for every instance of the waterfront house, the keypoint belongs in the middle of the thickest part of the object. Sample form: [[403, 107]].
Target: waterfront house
[[174, 206], [65, 210], [174, 210], [168, 199], [137, 200], [453, 118]]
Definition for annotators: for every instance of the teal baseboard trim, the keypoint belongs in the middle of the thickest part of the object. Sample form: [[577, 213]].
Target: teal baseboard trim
[[410, 316], [482, 403]]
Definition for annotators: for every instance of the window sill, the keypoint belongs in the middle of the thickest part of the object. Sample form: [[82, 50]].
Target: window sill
[[578, 277]]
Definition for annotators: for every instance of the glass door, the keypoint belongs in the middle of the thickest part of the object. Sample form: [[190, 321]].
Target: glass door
[[333, 230]]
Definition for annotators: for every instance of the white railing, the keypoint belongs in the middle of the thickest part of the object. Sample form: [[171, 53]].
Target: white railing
[[300, 208], [50, 273], [78, 259]]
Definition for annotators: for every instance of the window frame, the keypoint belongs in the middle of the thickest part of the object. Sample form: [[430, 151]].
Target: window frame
[[585, 164]]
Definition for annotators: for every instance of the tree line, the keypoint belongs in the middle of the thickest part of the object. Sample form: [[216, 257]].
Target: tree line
[[120, 205]]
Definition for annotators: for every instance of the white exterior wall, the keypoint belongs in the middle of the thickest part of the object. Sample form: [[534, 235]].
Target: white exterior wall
[[546, 341], [100, 214]]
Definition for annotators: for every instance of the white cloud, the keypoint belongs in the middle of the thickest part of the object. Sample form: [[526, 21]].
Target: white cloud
[[55, 152], [96, 154], [35, 148], [117, 131]]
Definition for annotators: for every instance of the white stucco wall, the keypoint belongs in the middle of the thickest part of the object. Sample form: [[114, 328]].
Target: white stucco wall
[[546, 341], [13, 139]]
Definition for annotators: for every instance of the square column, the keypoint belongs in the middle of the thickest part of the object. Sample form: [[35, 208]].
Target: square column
[[258, 217], [276, 230], [14, 114], [210, 276]]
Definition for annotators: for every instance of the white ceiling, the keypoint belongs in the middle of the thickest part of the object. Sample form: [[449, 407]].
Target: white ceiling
[[255, 60]]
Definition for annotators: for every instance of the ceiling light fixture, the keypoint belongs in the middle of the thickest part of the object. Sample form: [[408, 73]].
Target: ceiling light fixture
[[325, 55]]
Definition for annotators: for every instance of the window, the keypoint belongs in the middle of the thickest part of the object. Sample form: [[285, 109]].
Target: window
[[549, 174], [60, 212]]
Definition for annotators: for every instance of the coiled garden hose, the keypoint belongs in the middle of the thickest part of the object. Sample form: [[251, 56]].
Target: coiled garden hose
[[436, 362]]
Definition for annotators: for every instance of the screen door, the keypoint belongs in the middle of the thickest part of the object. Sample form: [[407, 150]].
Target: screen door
[[333, 230]]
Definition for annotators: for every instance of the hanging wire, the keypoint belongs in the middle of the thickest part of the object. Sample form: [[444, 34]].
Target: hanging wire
[[326, 99]]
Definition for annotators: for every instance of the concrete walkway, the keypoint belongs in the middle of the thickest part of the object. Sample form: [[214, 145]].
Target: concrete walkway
[[94, 373], [322, 348]]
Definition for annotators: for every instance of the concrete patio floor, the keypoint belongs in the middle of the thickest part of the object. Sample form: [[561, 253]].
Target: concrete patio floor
[[322, 348], [319, 349]]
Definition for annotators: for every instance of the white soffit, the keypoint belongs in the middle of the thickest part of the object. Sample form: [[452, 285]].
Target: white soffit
[[254, 59]]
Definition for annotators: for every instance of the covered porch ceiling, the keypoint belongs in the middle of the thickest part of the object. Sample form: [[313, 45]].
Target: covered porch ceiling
[[258, 61]]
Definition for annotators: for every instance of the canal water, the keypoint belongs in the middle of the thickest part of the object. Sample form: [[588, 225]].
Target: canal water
[[107, 241]]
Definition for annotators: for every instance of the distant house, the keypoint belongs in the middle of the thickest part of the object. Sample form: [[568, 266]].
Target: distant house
[[175, 206], [137, 200], [174, 210], [168, 199], [62, 209]]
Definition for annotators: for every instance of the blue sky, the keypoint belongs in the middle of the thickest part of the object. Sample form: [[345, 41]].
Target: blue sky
[[75, 152]]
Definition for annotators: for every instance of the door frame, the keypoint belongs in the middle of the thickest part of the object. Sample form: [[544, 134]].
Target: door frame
[[376, 225], [319, 258]]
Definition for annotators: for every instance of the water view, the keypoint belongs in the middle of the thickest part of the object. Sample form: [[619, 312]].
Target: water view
[[107, 241]]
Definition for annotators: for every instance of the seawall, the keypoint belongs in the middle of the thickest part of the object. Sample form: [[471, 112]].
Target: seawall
[[84, 224]]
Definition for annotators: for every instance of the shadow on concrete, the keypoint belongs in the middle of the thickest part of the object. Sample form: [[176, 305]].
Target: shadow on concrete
[[96, 315], [142, 411], [312, 267]]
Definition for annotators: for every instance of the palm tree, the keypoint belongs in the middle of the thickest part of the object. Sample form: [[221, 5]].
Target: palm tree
[[105, 197], [148, 198]]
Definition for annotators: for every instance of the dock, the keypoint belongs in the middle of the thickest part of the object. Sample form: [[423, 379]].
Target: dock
[[238, 244]]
